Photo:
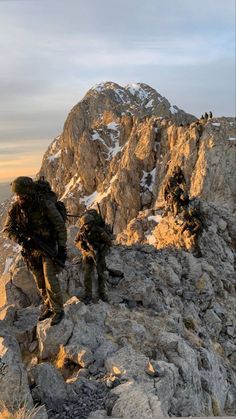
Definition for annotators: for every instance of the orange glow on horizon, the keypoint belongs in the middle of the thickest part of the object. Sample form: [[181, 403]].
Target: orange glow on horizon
[[24, 166]]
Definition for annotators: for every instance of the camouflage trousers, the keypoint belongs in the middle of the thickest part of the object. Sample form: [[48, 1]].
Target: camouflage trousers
[[45, 273], [175, 207], [89, 264], [193, 243]]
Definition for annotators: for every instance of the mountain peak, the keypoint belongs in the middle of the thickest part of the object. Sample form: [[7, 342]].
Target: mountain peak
[[138, 99]]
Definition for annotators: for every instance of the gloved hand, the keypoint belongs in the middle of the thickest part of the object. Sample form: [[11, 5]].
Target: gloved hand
[[26, 243], [84, 245], [61, 254]]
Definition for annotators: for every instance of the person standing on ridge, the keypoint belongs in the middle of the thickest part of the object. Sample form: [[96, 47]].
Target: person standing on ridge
[[31, 216], [93, 240]]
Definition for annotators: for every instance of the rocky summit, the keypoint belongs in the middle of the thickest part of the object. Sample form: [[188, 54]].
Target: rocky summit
[[164, 344]]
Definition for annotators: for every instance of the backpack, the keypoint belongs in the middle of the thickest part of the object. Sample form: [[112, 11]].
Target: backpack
[[62, 209], [195, 212], [44, 192]]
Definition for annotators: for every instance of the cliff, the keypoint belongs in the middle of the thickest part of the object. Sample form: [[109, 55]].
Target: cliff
[[165, 344]]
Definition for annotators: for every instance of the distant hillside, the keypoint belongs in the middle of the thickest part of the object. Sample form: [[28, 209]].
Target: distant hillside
[[5, 191]]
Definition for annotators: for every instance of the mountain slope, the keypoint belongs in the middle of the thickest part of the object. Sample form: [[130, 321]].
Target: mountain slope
[[165, 344], [119, 145]]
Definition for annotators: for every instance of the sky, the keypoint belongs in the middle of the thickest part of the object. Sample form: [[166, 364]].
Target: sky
[[53, 51]]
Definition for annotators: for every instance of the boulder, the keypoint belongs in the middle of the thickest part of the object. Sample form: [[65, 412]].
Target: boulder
[[50, 338], [50, 386], [14, 387]]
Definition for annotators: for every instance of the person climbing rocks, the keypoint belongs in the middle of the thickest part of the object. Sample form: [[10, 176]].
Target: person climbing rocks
[[36, 224], [175, 194], [93, 240], [194, 226]]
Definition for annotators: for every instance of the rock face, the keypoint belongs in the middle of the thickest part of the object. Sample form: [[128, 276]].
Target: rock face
[[165, 343], [166, 308], [131, 139], [14, 387]]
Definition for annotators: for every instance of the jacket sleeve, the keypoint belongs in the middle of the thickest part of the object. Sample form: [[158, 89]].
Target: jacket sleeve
[[10, 225], [197, 226], [57, 222], [105, 238], [79, 241]]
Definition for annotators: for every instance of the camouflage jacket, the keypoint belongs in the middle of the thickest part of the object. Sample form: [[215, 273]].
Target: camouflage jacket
[[173, 188], [96, 238], [41, 218], [192, 224]]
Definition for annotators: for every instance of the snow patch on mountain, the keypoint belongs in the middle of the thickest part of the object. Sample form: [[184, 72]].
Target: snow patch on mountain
[[148, 179]]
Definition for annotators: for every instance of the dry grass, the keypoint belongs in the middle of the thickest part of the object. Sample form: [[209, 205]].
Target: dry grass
[[21, 413], [60, 360]]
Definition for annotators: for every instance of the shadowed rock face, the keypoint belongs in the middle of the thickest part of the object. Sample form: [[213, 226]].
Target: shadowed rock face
[[167, 308]]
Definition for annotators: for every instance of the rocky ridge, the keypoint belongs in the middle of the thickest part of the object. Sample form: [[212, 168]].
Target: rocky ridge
[[131, 148], [165, 344]]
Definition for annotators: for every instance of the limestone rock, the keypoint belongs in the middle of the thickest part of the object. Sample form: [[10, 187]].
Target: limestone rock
[[50, 338], [24, 324], [50, 385], [138, 148], [18, 286], [14, 387], [80, 355], [135, 402], [104, 350]]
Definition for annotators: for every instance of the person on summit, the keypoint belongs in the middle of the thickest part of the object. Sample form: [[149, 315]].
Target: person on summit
[[36, 223]]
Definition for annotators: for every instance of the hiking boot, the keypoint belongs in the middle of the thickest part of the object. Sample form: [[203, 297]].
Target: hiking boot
[[57, 317], [87, 300], [197, 254], [45, 314], [103, 296]]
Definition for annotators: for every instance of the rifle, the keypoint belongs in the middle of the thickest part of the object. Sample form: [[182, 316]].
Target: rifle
[[114, 217], [84, 246], [40, 245], [99, 210]]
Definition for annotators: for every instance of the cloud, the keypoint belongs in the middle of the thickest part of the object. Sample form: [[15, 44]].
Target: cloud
[[53, 51]]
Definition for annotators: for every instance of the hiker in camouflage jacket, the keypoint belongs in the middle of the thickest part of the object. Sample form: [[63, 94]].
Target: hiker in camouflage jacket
[[93, 242], [30, 215]]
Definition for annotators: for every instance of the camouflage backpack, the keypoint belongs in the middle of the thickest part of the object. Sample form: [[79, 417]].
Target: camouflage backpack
[[44, 192]]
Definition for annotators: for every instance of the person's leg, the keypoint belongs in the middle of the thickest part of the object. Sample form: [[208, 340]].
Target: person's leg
[[36, 267], [88, 267], [176, 208], [51, 271], [101, 267]]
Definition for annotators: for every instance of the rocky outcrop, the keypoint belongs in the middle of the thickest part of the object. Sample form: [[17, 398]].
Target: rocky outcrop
[[165, 344], [167, 308], [117, 151], [131, 139], [14, 387]]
